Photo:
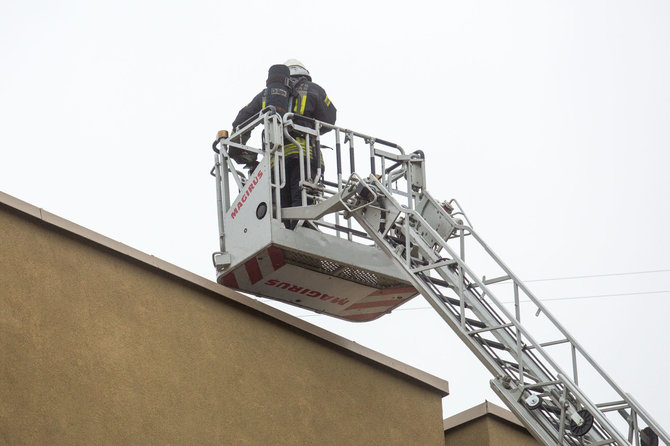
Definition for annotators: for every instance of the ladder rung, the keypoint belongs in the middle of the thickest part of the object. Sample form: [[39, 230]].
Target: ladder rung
[[547, 344], [436, 281], [436, 265], [614, 405], [509, 364], [453, 301], [492, 281], [497, 327], [476, 323], [492, 344]]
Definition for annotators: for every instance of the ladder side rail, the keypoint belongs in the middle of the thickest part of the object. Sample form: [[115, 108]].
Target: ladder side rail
[[509, 340], [574, 344], [539, 305], [529, 362], [602, 419]]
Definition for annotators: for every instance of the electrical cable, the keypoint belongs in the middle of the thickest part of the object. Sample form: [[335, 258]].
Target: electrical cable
[[598, 275]]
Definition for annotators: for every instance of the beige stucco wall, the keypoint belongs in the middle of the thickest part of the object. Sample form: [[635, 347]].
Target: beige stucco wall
[[473, 433], [96, 348], [489, 430], [502, 433]]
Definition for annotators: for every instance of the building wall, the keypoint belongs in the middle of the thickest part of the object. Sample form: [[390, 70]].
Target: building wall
[[473, 433], [502, 433], [96, 348]]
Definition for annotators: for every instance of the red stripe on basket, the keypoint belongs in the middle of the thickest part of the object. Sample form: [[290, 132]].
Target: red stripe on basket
[[230, 280], [399, 290], [379, 303], [276, 257], [363, 317], [253, 270]]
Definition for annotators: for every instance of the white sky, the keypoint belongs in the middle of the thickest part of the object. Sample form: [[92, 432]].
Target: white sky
[[549, 121]]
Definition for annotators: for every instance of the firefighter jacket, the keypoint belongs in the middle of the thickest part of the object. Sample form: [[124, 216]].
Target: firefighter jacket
[[308, 99]]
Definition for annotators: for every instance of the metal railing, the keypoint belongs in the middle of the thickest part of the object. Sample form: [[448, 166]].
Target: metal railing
[[342, 150]]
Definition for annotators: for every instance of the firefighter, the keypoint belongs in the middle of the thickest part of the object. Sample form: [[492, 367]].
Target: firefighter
[[304, 98]]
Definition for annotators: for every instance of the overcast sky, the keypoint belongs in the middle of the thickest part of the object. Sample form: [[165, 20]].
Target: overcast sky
[[549, 121]]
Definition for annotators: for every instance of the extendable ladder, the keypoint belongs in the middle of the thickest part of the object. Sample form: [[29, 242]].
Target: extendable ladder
[[418, 232]]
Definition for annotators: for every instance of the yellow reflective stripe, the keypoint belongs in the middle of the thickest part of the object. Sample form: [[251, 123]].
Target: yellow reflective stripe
[[302, 106], [292, 149], [327, 101], [295, 107], [263, 106]]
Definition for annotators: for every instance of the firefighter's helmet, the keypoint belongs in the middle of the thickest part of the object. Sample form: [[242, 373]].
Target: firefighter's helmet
[[296, 68]]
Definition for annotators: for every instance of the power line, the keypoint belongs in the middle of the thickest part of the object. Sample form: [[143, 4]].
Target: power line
[[599, 275], [594, 296]]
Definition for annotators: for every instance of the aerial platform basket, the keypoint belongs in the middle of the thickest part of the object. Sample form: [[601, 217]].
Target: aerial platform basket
[[325, 264]]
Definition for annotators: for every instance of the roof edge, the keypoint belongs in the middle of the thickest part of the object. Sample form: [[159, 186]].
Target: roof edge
[[438, 384], [479, 411]]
